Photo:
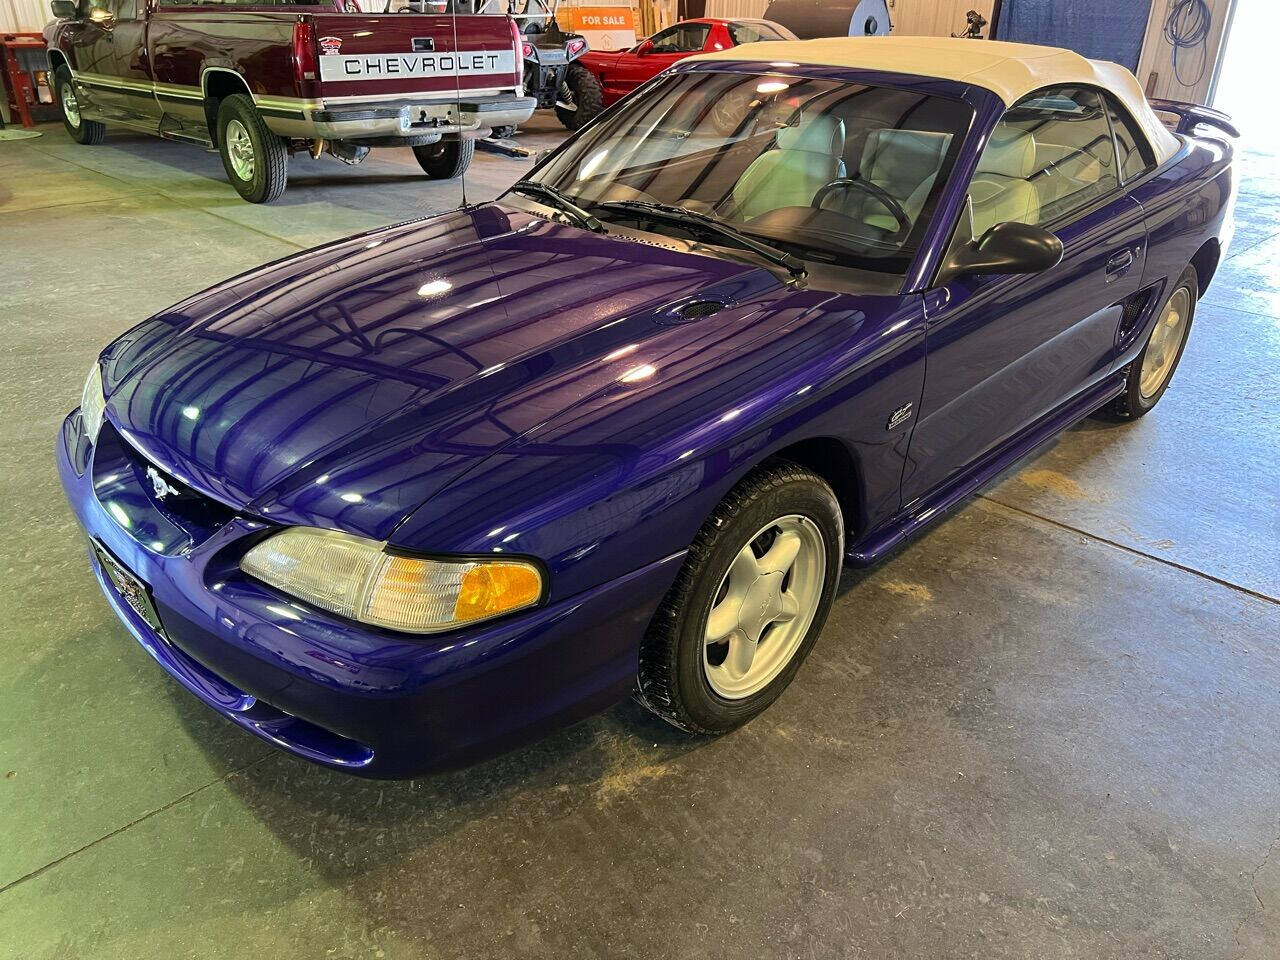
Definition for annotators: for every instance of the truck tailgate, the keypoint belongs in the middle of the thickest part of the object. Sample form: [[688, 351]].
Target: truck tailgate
[[383, 56]]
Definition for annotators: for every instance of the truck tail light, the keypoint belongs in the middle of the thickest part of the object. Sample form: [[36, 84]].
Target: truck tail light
[[305, 67], [522, 50]]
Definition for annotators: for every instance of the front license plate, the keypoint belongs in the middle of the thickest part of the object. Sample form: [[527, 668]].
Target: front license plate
[[134, 591]]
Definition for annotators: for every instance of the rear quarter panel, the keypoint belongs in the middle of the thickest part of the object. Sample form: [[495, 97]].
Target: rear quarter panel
[[186, 41], [1187, 203]]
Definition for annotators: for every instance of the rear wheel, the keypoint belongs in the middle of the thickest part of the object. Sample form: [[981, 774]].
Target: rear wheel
[[445, 159], [1150, 375], [748, 604], [81, 130], [256, 160], [580, 97]]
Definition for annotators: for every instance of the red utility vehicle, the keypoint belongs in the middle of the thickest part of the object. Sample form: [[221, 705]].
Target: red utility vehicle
[[621, 71], [261, 80]]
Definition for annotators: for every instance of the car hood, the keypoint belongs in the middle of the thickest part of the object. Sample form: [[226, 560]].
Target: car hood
[[346, 385]]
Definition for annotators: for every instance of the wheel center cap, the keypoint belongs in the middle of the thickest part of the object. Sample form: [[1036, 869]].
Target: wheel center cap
[[762, 604]]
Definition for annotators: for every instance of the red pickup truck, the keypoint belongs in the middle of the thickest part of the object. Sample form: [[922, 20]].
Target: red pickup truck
[[262, 81]]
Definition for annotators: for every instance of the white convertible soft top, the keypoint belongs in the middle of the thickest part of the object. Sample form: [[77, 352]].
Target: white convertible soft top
[[1009, 70]]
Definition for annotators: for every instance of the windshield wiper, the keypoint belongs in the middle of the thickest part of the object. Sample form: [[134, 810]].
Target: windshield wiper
[[557, 199], [701, 221]]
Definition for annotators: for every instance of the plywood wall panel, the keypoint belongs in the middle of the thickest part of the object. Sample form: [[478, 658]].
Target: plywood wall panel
[[935, 18], [24, 16], [1155, 66]]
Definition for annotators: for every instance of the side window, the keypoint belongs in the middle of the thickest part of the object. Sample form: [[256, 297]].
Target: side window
[[1050, 154], [741, 33], [682, 38], [118, 10], [1135, 153]]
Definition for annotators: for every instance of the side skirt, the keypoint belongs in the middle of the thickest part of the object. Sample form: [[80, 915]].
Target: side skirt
[[930, 507]]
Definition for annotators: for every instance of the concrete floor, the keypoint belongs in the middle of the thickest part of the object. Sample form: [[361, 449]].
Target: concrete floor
[[1046, 729]]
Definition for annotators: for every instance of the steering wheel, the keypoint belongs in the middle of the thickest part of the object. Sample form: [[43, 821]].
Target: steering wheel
[[877, 193]]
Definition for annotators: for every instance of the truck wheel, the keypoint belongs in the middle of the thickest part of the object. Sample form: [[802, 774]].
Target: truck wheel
[[81, 130], [581, 91], [256, 160], [445, 159]]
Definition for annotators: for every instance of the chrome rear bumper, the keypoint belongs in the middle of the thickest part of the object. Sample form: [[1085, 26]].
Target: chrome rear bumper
[[406, 119]]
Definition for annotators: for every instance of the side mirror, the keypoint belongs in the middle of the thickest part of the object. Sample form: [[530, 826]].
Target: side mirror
[[65, 9], [644, 49], [1008, 247]]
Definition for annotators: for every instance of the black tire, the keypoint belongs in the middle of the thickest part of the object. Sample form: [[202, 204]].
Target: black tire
[[270, 156], [588, 97], [88, 132], [445, 159], [672, 680], [1133, 403]]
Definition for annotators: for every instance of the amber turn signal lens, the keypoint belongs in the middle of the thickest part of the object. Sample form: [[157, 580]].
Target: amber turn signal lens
[[495, 588], [358, 578]]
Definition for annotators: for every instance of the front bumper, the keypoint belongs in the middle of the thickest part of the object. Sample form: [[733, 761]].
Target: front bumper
[[400, 119], [355, 698]]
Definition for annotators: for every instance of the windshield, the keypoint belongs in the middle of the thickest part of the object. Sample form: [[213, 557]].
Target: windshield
[[834, 171]]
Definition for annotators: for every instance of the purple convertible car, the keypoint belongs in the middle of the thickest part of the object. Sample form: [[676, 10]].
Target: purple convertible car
[[404, 500]]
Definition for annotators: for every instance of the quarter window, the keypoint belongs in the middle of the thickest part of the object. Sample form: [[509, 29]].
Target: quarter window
[[751, 32], [1049, 156], [1135, 153]]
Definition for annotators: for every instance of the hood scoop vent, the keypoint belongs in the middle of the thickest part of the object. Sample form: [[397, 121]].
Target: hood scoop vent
[[699, 309]]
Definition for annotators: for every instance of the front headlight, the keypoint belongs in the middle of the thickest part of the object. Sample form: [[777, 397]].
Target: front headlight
[[358, 578], [92, 403]]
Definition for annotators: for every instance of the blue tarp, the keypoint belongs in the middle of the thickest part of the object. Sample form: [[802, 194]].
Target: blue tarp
[[1104, 31]]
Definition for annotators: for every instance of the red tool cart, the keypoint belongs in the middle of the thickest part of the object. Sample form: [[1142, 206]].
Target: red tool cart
[[21, 77]]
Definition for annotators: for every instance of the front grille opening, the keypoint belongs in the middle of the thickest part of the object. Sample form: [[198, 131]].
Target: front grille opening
[[151, 505]]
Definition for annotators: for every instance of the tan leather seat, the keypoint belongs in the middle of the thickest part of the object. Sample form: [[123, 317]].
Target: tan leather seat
[[805, 158], [1071, 174], [904, 163], [1001, 190]]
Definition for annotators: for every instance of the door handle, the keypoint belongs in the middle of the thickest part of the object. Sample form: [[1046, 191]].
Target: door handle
[[1118, 264]]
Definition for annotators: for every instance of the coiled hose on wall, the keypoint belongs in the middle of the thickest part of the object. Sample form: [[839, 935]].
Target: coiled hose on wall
[[1187, 28]]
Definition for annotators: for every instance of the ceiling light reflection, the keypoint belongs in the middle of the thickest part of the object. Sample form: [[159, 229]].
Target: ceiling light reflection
[[642, 372], [434, 288]]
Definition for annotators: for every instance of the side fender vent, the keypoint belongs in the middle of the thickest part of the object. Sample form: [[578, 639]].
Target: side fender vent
[[1133, 310]]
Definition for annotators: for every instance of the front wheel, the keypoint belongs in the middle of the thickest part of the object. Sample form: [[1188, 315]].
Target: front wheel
[[445, 159], [84, 131], [256, 160], [580, 97], [1149, 375], [748, 604]]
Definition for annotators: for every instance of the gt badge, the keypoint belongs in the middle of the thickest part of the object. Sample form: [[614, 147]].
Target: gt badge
[[160, 486], [899, 417], [330, 45]]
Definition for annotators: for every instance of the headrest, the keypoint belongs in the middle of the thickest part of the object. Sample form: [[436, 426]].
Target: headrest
[[1012, 155], [814, 133], [918, 150]]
